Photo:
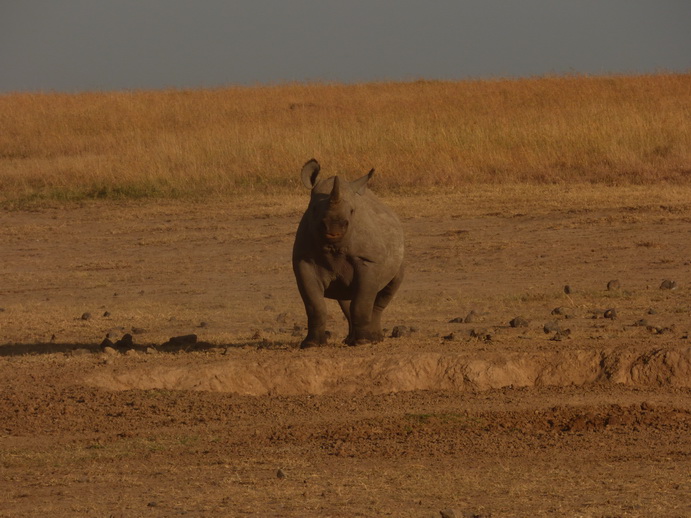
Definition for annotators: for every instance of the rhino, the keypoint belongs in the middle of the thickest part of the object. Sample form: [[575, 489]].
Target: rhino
[[348, 247]]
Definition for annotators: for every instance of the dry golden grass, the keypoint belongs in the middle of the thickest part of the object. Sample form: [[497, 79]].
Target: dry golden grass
[[420, 136]]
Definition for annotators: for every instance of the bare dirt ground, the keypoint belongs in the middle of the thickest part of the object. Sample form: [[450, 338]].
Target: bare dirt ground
[[478, 418]]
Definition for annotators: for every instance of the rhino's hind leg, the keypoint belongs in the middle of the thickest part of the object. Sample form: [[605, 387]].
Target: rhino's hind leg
[[384, 297], [367, 329]]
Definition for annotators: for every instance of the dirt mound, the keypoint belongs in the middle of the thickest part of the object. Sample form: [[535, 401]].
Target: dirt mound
[[310, 374]]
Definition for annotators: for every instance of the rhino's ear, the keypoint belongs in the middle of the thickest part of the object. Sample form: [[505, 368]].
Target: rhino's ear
[[309, 173], [360, 185]]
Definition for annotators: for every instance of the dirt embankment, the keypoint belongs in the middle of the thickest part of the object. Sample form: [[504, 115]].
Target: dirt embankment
[[294, 374]]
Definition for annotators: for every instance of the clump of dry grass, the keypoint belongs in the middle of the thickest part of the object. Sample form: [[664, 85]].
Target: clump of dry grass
[[420, 136]]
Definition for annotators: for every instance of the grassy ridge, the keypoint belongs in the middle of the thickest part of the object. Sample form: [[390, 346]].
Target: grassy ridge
[[420, 136]]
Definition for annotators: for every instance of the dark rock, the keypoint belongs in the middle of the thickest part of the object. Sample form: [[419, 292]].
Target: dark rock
[[280, 473], [551, 327], [282, 318], [519, 322], [457, 320], [125, 342], [641, 323], [611, 314], [203, 324], [668, 285], [138, 331], [613, 285], [568, 290], [471, 317], [107, 343], [106, 314], [86, 316], [561, 334], [564, 312], [652, 311]]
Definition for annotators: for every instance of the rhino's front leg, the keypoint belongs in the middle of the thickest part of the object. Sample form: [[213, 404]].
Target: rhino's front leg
[[312, 293]]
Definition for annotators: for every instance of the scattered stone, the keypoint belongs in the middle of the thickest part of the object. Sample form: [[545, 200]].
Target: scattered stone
[[298, 330], [280, 473], [641, 323], [449, 513], [457, 320], [106, 314], [401, 331], [138, 330], [86, 316], [657, 330], [449, 337], [203, 324], [561, 334], [652, 311], [110, 351], [282, 318], [564, 312], [481, 333], [256, 336], [611, 314], [519, 322], [551, 327], [568, 290], [471, 317], [152, 504], [613, 285], [668, 285]]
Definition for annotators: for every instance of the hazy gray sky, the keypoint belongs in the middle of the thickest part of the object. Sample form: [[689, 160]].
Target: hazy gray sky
[[77, 45]]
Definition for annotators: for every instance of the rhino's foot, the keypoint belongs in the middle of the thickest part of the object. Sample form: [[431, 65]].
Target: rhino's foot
[[369, 338], [306, 344]]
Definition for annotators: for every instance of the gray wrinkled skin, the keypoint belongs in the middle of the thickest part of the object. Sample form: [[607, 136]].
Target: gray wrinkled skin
[[348, 247]]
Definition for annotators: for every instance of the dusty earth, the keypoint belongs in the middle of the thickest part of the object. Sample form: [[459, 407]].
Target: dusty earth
[[589, 417]]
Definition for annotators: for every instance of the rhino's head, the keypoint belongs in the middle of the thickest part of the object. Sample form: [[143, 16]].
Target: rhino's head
[[333, 202]]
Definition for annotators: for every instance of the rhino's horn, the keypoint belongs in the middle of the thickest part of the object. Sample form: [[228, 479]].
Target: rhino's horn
[[309, 173], [335, 196]]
